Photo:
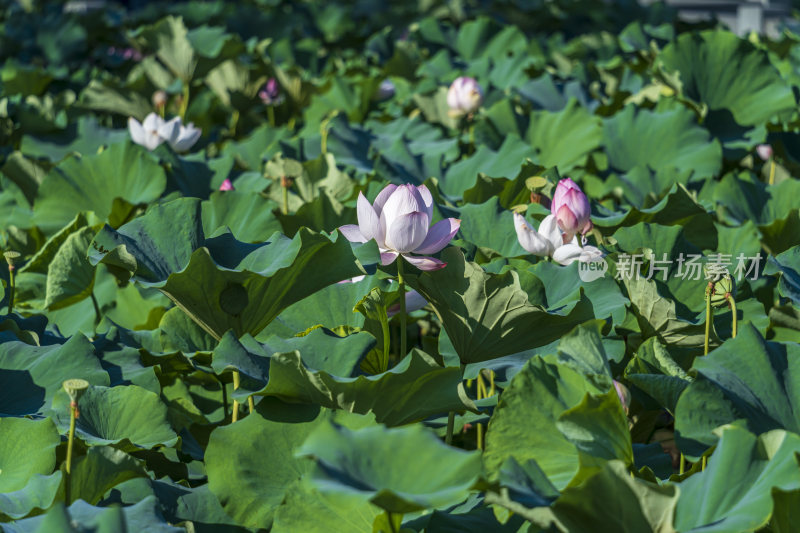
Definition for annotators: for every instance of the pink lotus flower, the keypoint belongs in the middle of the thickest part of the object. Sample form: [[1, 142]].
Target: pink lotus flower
[[550, 241], [271, 93], [764, 151], [399, 221], [226, 185], [464, 96], [571, 209]]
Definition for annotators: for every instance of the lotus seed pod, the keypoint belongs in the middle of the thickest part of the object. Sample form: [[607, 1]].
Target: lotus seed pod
[[75, 388], [719, 286], [11, 257]]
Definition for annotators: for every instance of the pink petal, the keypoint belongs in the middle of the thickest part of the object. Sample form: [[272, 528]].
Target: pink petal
[[403, 201], [407, 232], [427, 199], [387, 258], [384, 195], [567, 220], [425, 263], [226, 185], [352, 233], [368, 221], [579, 205], [439, 235], [563, 187]]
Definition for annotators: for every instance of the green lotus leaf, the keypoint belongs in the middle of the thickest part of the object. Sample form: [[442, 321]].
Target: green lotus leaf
[[100, 470], [125, 415], [733, 493], [95, 182], [754, 93], [488, 315], [309, 510], [400, 470], [565, 138], [638, 137], [480, 225], [504, 162], [30, 376], [70, 275], [40, 493], [746, 379], [28, 448], [248, 216], [788, 265]]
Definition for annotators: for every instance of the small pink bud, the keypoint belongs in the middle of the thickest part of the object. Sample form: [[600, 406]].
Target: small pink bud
[[464, 96], [764, 151], [226, 185], [571, 209]]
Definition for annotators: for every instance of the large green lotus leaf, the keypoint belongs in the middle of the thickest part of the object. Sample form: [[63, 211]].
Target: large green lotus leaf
[[111, 97], [311, 511], [637, 137], [112, 415], [583, 349], [733, 493], [481, 225], [81, 517], [94, 182], [31, 375], [677, 207], [657, 373], [564, 138], [100, 470], [524, 424], [656, 316], [41, 260], [747, 378], [179, 333], [39, 493], [788, 265], [401, 470], [222, 283], [25, 173], [251, 152], [617, 500], [754, 92], [330, 307], [70, 275], [169, 38], [488, 315], [319, 373], [248, 216], [503, 163], [786, 510], [85, 136], [739, 198], [252, 479], [643, 186], [563, 288], [28, 447]]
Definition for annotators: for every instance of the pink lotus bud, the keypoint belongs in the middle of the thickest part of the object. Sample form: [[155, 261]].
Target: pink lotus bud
[[624, 395], [764, 151], [226, 185], [159, 99], [571, 209], [270, 94], [464, 96]]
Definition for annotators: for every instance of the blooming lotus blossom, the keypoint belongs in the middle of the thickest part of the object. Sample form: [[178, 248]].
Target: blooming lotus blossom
[[146, 133], [764, 151], [399, 221], [571, 208], [226, 185], [464, 96], [179, 137], [551, 241], [154, 130]]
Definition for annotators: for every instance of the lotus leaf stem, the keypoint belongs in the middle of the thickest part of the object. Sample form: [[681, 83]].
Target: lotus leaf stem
[[11, 285], [271, 115], [451, 422], [682, 467], [235, 413], [734, 318], [251, 404], [73, 414], [709, 316], [184, 100], [402, 283], [772, 172], [234, 122], [703, 463], [285, 188]]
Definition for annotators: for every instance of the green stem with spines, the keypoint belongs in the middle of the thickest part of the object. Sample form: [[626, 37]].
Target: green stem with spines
[[73, 414]]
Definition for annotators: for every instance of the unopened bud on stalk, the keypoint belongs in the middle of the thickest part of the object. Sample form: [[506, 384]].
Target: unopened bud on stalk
[[159, 99]]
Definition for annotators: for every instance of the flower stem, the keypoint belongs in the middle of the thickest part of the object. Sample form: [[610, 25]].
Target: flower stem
[[271, 115], [703, 463], [682, 468], [481, 394], [451, 422], [73, 414], [285, 206], [471, 148], [234, 122], [184, 100], [772, 172], [251, 404], [235, 413], [709, 315], [387, 340], [402, 284], [11, 284], [734, 319]]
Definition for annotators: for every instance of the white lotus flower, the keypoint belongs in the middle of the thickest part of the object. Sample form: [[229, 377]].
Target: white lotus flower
[[146, 133], [179, 137], [549, 241], [464, 96]]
